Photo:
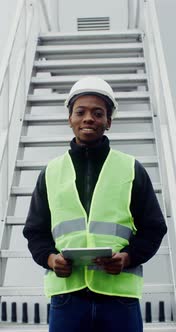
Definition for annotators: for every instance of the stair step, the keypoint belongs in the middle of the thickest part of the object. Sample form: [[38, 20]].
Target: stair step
[[38, 291], [150, 161], [148, 327], [63, 140], [5, 253], [89, 37], [21, 191], [63, 118], [21, 291], [66, 82], [15, 221], [27, 191], [19, 327], [56, 99], [91, 50], [14, 254], [159, 327], [83, 66], [30, 165]]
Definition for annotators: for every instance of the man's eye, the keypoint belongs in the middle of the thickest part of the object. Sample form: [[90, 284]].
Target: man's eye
[[98, 114], [79, 112]]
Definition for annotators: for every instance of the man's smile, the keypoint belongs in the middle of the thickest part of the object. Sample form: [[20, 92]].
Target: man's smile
[[88, 129]]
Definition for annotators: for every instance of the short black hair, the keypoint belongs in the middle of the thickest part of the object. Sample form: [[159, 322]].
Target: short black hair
[[108, 102]]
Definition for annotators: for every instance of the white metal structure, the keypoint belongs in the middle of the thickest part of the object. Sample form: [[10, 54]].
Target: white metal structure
[[33, 129]]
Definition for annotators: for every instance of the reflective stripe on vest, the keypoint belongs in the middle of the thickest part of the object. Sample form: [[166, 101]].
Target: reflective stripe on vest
[[109, 224], [68, 226], [95, 227], [138, 270]]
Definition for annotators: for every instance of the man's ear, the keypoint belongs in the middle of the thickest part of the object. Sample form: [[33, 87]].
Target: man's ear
[[69, 121], [109, 121]]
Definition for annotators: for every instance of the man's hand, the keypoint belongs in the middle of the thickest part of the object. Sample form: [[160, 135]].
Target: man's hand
[[61, 266], [115, 264]]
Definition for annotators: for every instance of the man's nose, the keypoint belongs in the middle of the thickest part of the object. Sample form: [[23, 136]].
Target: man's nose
[[88, 116]]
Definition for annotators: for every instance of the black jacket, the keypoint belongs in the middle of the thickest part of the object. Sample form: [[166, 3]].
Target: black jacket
[[88, 162]]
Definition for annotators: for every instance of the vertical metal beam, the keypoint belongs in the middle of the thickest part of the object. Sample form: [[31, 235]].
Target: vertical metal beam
[[133, 14], [58, 15], [130, 13], [46, 16], [138, 14]]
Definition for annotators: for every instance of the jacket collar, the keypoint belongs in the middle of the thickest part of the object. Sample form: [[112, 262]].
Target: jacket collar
[[99, 151]]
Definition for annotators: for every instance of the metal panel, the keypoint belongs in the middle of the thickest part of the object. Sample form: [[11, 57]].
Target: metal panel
[[93, 23]]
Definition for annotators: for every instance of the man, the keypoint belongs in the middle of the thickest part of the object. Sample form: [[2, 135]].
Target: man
[[93, 196]]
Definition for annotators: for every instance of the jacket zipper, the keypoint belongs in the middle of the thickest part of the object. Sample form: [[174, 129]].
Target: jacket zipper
[[87, 182]]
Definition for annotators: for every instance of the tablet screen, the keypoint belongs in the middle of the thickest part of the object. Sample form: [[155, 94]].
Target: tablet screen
[[84, 256]]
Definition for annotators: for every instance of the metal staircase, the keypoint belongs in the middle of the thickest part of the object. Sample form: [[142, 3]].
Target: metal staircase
[[61, 59]]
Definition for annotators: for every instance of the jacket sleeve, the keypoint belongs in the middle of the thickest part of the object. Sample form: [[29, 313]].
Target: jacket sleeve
[[148, 219], [37, 229]]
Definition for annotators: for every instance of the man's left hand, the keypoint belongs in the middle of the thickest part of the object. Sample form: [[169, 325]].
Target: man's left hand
[[115, 264]]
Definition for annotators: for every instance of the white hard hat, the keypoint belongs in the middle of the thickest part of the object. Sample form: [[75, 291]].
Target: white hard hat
[[95, 85]]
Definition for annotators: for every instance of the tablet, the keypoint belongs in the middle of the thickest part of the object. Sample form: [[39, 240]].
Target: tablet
[[84, 256]]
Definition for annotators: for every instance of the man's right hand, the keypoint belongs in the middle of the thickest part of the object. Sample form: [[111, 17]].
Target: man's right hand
[[61, 266]]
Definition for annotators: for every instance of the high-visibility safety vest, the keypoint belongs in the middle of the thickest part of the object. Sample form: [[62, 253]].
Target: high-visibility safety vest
[[110, 224]]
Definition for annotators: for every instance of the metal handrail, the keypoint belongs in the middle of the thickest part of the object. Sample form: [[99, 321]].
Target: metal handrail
[[11, 40], [163, 107], [169, 106], [22, 23], [7, 54], [5, 63], [159, 72], [10, 43]]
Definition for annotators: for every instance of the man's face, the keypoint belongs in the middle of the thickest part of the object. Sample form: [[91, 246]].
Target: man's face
[[89, 119]]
